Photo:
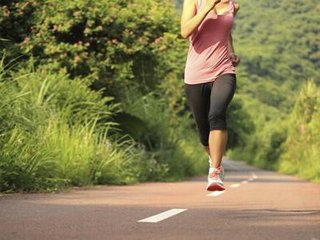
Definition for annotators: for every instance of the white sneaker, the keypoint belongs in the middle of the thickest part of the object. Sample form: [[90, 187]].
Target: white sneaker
[[211, 169], [215, 178]]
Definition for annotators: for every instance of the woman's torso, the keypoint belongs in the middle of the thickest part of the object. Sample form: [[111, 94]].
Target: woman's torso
[[208, 55]]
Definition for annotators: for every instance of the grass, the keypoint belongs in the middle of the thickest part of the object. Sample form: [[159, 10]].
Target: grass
[[56, 132]]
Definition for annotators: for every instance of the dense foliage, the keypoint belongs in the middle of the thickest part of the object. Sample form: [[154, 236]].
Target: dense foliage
[[278, 43], [91, 92], [301, 149], [54, 132], [130, 52]]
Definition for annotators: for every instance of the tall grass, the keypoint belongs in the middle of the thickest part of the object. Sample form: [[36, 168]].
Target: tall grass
[[56, 132], [302, 147], [171, 139]]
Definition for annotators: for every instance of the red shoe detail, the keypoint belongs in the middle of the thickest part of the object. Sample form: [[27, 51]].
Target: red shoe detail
[[215, 187]]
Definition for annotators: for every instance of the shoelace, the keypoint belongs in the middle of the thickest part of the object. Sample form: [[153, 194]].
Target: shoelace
[[215, 173]]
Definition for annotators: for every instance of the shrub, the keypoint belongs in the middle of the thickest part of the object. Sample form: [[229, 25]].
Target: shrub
[[116, 42], [301, 150], [56, 132], [171, 141]]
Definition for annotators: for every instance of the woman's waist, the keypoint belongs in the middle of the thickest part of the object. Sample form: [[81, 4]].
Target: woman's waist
[[208, 57]]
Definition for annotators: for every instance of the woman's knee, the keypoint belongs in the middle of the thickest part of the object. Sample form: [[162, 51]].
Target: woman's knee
[[217, 120], [204, 139]]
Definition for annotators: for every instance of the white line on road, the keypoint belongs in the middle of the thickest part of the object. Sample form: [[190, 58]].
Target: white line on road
[[254, 176], [215, 193], [244, 181], [161, 216], [235, 185]]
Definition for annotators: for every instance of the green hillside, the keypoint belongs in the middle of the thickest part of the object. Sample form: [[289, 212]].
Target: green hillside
[[279, 40]]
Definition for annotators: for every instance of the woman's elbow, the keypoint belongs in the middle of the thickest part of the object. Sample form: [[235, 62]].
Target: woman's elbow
[[184, 34]]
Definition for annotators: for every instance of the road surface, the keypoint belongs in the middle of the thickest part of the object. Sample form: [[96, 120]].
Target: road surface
[[256, 204]]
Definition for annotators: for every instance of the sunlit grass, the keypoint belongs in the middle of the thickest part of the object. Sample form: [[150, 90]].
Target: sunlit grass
[[56, 132]]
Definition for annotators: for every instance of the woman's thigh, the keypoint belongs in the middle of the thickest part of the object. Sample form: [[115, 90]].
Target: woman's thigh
[[222, 92], [198, 97]]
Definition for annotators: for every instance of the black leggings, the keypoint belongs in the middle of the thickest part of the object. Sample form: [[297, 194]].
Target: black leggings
[[209, 102]]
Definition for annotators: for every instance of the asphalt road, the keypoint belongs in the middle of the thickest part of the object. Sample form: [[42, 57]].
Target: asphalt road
[[256, 204]]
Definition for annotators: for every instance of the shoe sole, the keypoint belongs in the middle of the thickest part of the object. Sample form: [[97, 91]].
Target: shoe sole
[[215, 187]]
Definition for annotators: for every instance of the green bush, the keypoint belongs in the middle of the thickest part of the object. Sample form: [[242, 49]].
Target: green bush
[[266, 132], [172, 141], [127, 57], [17, 18], [56, 133], [116, 42], [302, 147]]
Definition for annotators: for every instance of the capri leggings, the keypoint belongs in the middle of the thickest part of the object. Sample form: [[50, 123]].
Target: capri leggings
[[209, 102]]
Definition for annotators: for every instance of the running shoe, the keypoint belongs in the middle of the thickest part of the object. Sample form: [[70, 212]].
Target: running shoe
[[215, 182], [211, 167]]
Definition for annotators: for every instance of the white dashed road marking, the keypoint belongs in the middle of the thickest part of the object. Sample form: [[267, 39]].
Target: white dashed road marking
[[254, 176], [167, 214], [235, 185], [162, 216]]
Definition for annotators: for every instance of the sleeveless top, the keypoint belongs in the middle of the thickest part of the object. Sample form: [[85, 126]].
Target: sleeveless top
[[208, 56]]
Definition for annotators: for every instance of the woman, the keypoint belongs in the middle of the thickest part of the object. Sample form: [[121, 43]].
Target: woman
[[209, 77]]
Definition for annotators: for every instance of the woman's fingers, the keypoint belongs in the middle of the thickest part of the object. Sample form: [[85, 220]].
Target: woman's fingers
[[235, 59]]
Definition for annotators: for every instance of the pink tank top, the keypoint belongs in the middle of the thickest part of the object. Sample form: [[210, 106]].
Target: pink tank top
[[208, 56]]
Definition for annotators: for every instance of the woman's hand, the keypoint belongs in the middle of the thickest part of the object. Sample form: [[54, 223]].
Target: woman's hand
[[210, 4], [235, 59], [191, 19]]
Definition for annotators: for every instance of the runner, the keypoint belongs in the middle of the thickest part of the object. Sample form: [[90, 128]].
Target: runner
[[210, 77]]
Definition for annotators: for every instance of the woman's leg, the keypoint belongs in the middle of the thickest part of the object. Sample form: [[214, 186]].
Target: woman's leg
[[217, 141], [198, 98], [222, 93]]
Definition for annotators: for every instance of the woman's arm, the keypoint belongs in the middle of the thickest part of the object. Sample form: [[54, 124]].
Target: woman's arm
[[235, 59], [230, 44], [231, 48], [236, 8], [190, 20]]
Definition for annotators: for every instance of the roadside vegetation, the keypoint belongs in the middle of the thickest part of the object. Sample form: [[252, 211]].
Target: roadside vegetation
[[91, 92]]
